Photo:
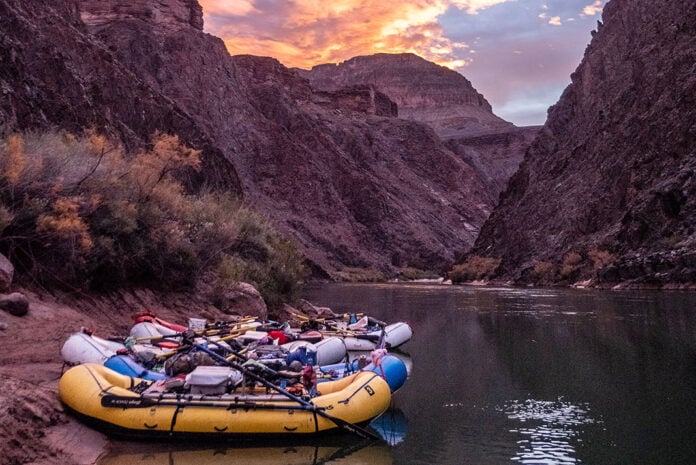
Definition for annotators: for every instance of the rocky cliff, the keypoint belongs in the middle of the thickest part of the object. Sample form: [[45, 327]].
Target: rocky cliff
[[444, 100], [54, 74], [495, 156], [170, 15], [357, 188], [607, 191], [423, 91]]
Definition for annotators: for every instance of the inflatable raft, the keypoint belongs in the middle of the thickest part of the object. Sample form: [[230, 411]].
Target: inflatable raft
[[395, 335], [130, 407]]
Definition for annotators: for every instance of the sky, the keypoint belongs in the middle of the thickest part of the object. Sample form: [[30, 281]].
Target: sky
[[518, 53]]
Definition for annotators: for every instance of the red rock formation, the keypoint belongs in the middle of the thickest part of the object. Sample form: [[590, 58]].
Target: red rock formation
[[423, 91], [171, 15], [495, 156], [361, 98], [54, 74], [443, 99], [607, 191], [355, 189]]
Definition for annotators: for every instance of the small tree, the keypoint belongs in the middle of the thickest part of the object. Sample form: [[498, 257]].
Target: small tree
[[79, 212]]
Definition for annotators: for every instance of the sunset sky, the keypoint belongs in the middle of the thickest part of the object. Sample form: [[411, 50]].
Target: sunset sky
[[518, 53]]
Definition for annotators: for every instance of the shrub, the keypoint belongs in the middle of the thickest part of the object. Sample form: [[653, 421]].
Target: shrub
[[544, 271], [14, 159], [79, 213], [571, 263], [261, 257], [411, 274], [600, 258], [475, 268], [351, 274]]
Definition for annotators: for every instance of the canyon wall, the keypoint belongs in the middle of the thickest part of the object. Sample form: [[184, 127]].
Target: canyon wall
[[54, 74], [606, 194], [363, 193]]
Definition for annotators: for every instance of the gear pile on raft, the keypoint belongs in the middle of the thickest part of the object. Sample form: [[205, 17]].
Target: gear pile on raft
[[244, 377]]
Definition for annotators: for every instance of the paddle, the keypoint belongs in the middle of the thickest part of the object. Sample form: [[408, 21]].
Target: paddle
[[350, 427]]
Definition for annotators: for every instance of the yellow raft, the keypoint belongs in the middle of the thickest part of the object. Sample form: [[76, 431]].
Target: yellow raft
[[121, 405]]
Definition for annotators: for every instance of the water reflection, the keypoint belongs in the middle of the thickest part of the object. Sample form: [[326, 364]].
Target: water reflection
[[550, 430], [353, 452], [391, 426], [610, 376]]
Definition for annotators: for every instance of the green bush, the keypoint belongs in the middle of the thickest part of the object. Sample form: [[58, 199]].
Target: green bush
[[78, 212], [260, 257]]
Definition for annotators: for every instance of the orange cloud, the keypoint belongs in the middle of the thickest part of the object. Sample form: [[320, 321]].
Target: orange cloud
[[304, 33]]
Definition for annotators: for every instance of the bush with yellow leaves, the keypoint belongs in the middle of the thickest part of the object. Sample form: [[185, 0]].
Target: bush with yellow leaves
[[77, 212]]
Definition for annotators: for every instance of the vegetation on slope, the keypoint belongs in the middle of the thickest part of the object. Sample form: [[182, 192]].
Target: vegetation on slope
[[80, 213]]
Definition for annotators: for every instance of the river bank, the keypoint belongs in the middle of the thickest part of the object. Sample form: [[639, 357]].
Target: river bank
[[34, 428]]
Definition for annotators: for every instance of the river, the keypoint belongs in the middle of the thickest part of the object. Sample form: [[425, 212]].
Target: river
[[508, 376]]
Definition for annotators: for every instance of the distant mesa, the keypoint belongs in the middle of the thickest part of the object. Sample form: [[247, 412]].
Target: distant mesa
[[422, 90]]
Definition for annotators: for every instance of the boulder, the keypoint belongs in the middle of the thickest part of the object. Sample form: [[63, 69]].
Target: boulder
[[313, 311], [15, 304], [6, 273], [243, 299]]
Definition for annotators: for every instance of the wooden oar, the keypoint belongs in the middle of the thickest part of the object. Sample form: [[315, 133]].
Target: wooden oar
[[226, 335], [350, 427], [232, 324]]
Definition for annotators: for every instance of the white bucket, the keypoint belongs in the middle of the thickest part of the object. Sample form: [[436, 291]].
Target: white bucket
[[196, 324]]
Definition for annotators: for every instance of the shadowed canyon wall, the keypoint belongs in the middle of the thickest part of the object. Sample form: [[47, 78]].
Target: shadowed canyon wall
[[607, 191]]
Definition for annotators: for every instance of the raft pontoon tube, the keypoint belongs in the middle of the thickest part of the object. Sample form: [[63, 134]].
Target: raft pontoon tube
[[131, 407]]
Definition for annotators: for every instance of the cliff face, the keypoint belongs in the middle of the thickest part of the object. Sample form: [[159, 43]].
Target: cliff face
[[354, 186], [54, 74], [495, 156], [444, 100], [607, 191], [423, 91], [171, 15]]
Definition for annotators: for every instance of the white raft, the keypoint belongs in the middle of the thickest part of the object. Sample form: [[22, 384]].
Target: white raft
[[329, 350], [395, 334]]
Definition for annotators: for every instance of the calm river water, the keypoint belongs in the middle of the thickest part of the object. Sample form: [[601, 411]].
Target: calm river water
[[506, 376]]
